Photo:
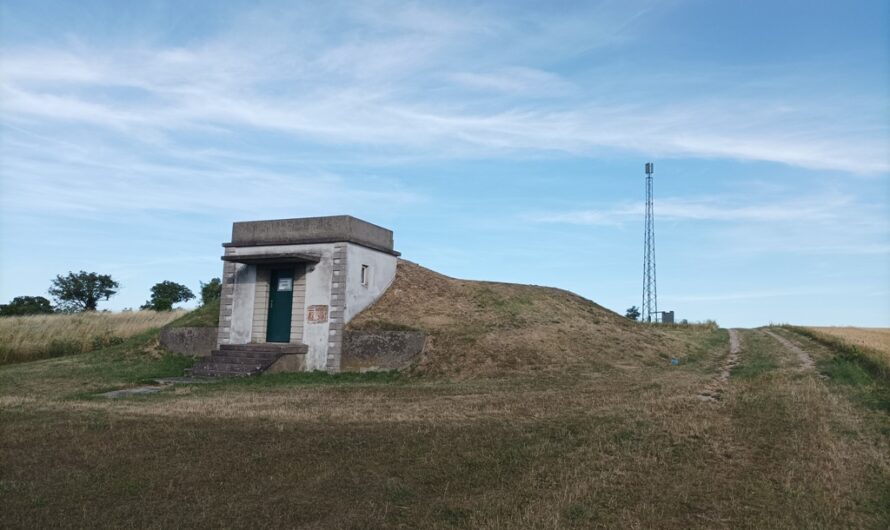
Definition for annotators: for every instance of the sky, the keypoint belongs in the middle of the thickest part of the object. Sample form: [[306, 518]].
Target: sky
[[501, 141]]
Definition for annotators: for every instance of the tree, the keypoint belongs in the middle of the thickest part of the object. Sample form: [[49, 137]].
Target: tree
[[82, 291], [167, 293], [26, 305], [633, 312], [210, 291]]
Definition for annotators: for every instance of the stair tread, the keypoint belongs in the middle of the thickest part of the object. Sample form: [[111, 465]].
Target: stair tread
[[221, 373], [240, 360], [270, 347], [233, 366]]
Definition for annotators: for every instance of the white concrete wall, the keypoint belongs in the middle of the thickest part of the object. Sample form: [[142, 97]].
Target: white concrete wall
[[318, 292], [242, 304], [322, 280], [382, 271]]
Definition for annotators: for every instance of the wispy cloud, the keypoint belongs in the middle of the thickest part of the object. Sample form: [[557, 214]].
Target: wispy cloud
[[751, 295], [827, 223], [393, 83], [818, 208], [516, 80]]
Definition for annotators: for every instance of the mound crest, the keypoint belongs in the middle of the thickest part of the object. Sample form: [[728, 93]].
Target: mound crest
[[489, 328]]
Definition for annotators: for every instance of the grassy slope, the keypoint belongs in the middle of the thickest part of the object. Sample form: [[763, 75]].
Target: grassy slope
[[28, 338], [137, 360], [495, 328], [205, 316]]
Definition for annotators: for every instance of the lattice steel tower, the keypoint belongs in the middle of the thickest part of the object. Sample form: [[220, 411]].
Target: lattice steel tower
[[649, 310]]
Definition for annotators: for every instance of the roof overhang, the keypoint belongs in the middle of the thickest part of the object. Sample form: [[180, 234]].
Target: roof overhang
[[280, 258]]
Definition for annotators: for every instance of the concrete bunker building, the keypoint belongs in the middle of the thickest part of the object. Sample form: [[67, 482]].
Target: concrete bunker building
[[293, 284]]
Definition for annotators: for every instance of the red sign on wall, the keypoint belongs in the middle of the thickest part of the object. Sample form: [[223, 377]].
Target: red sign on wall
[[317, 314]]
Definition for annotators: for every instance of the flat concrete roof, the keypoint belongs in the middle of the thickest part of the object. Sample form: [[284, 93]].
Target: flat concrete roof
[[307, 230]]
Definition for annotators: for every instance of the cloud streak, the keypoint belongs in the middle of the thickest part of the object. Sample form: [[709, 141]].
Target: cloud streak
[[434, 82], [819, 208], [827, 223]]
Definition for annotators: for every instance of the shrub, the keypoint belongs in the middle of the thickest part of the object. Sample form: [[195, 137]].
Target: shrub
[[167, 293], [210, 291], [26, 305]]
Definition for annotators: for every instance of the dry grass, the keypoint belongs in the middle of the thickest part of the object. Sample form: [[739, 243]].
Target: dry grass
[[486, 328], [27, 338], [875, 340], [595, 448]]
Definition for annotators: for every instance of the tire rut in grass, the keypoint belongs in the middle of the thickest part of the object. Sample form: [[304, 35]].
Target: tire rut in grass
[[805, 359], [714, 390]]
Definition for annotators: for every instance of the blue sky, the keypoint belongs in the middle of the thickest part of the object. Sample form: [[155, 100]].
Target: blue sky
[[500, 141]]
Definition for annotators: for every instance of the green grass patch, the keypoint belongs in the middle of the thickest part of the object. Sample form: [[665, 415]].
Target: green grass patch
[[757, 360], [206, 316], [852, 353], [511, 308], [866, 377], [868, 390], [708, 342], [846, 372], [136, 361]]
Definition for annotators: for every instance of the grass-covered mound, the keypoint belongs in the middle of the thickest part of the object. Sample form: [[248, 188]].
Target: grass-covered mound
[[479, 328]]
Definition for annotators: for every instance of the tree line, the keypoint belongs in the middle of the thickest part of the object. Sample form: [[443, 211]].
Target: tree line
[[82, 291]]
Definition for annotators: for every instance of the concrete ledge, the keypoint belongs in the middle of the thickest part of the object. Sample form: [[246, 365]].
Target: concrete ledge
[[365, 351], [189, 341]]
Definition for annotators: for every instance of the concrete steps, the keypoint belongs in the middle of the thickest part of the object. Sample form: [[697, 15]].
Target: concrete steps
[[242, 360]]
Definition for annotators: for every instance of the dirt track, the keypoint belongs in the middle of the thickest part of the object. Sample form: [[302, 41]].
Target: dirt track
[[714, 390], [806, 361]]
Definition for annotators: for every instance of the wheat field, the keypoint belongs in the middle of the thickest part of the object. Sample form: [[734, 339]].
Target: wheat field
[[28, 338], [874, 338]]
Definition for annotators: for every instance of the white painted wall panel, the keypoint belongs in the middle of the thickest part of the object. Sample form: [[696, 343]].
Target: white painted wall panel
[[382, 271]]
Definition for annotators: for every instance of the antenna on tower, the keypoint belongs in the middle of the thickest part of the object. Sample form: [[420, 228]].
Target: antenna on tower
[[649, 308]]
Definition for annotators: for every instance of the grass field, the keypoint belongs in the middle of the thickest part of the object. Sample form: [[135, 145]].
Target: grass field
[[877, 339], [27, 338], [588, 445]]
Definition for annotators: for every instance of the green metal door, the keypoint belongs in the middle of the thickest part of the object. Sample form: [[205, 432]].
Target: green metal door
[[281, 298]]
